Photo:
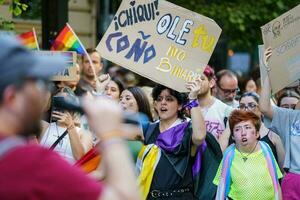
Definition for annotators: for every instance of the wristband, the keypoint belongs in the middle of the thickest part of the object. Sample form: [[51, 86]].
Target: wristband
[[109, 142], [191, 104]]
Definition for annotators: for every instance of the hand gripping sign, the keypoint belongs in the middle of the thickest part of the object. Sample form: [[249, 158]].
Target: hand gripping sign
[[160, 41]]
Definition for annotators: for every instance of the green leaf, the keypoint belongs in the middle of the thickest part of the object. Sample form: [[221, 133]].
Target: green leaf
[[10, 8], [24, 7], [280, 4], [17, 11], [1, 2]]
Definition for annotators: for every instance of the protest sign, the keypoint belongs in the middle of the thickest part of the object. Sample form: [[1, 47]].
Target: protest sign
[[160, 41], [69, 74], [283, 35]]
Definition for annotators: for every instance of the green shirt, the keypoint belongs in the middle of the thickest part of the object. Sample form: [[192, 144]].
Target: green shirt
[[250, 179]]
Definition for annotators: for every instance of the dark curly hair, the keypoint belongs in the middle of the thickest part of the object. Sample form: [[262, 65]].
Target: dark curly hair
[[180, 97]]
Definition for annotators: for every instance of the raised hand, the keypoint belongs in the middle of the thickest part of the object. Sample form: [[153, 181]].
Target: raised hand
[[267, 55], [64, 118], [194, 87], [102, 82], [104, 115]]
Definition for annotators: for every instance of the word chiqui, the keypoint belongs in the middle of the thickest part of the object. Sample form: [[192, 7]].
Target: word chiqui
[[137, 49], [136, 14]]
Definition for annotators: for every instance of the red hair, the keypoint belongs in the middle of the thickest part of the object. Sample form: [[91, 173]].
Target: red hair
[[238, 116], [209, 72]]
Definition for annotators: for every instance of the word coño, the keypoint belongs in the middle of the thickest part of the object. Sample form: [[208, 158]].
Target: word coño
[[136, 14], [135, 49]]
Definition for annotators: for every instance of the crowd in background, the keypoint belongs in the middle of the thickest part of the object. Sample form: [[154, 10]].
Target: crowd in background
[[214, 142]]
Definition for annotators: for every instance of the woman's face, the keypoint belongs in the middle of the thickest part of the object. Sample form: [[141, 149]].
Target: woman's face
[[167, 105], [244, 134], [128, 102], [288, 102], [248, 103], [112, 90], [251, 86]]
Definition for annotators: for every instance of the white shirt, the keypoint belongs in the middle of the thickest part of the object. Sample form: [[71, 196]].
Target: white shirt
[[214, 116], [52, 133]]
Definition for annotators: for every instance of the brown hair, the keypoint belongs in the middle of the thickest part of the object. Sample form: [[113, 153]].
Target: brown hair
[[238, 116], [89, 51]]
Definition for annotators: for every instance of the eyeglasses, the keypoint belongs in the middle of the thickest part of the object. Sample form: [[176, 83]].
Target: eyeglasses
[[229, 91], [288, 106], [250, 106]]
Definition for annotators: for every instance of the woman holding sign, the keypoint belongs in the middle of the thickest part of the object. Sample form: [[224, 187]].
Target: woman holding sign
[[170, 159]]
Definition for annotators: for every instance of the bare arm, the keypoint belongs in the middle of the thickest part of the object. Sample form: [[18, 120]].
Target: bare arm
[[76, 145], [264, 101], [279, 149], [224, 139], [120, 179], [198, 124]]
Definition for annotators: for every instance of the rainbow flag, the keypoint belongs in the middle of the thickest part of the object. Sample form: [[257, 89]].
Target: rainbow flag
[[29, 40], [67, 40]]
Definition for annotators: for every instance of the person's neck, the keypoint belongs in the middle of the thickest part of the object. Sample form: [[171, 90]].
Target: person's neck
[[206, 100], [8, 125], [251, 148], [263, 130], [89, 79], [166, 123]]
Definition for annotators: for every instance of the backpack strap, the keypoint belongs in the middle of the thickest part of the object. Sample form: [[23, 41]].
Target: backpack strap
[[59, 139], [10, 143]]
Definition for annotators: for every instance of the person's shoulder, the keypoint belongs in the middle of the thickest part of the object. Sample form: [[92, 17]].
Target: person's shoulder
[[33, 152], [221, 106]]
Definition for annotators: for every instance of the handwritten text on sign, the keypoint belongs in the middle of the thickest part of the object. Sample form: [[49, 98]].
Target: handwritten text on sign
[[161, 41]]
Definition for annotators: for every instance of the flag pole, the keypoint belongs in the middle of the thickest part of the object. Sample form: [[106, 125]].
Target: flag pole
[[35, 38], [85, 52]]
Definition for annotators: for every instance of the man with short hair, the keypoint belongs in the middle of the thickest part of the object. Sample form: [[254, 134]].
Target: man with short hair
[[214, 111], [29, 171], [88, 81], [227, 87]]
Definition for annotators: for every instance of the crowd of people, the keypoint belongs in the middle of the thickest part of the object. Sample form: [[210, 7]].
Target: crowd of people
[[209, 143]]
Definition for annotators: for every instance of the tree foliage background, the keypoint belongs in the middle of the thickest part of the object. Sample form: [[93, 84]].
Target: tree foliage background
[[240, 20]]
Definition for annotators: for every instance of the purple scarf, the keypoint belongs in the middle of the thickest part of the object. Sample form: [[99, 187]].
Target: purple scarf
[[170, 139]]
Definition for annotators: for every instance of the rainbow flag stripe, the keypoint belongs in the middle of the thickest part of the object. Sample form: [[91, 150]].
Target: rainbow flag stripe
[[67, 41], [29, 40]]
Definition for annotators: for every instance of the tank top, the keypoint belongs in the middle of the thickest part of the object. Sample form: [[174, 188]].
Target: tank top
[[267, 140], [63, 148]]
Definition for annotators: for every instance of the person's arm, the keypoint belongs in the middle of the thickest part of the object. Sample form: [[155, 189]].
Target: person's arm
[[198, 124], [264, 101], [65, 119], [120, 178], [224, 139], [279, 149]]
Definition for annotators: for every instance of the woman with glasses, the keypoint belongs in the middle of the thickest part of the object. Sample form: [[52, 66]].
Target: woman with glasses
[[249, 101]]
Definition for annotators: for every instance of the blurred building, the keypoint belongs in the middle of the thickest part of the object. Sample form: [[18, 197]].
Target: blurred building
[[82, 16]]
